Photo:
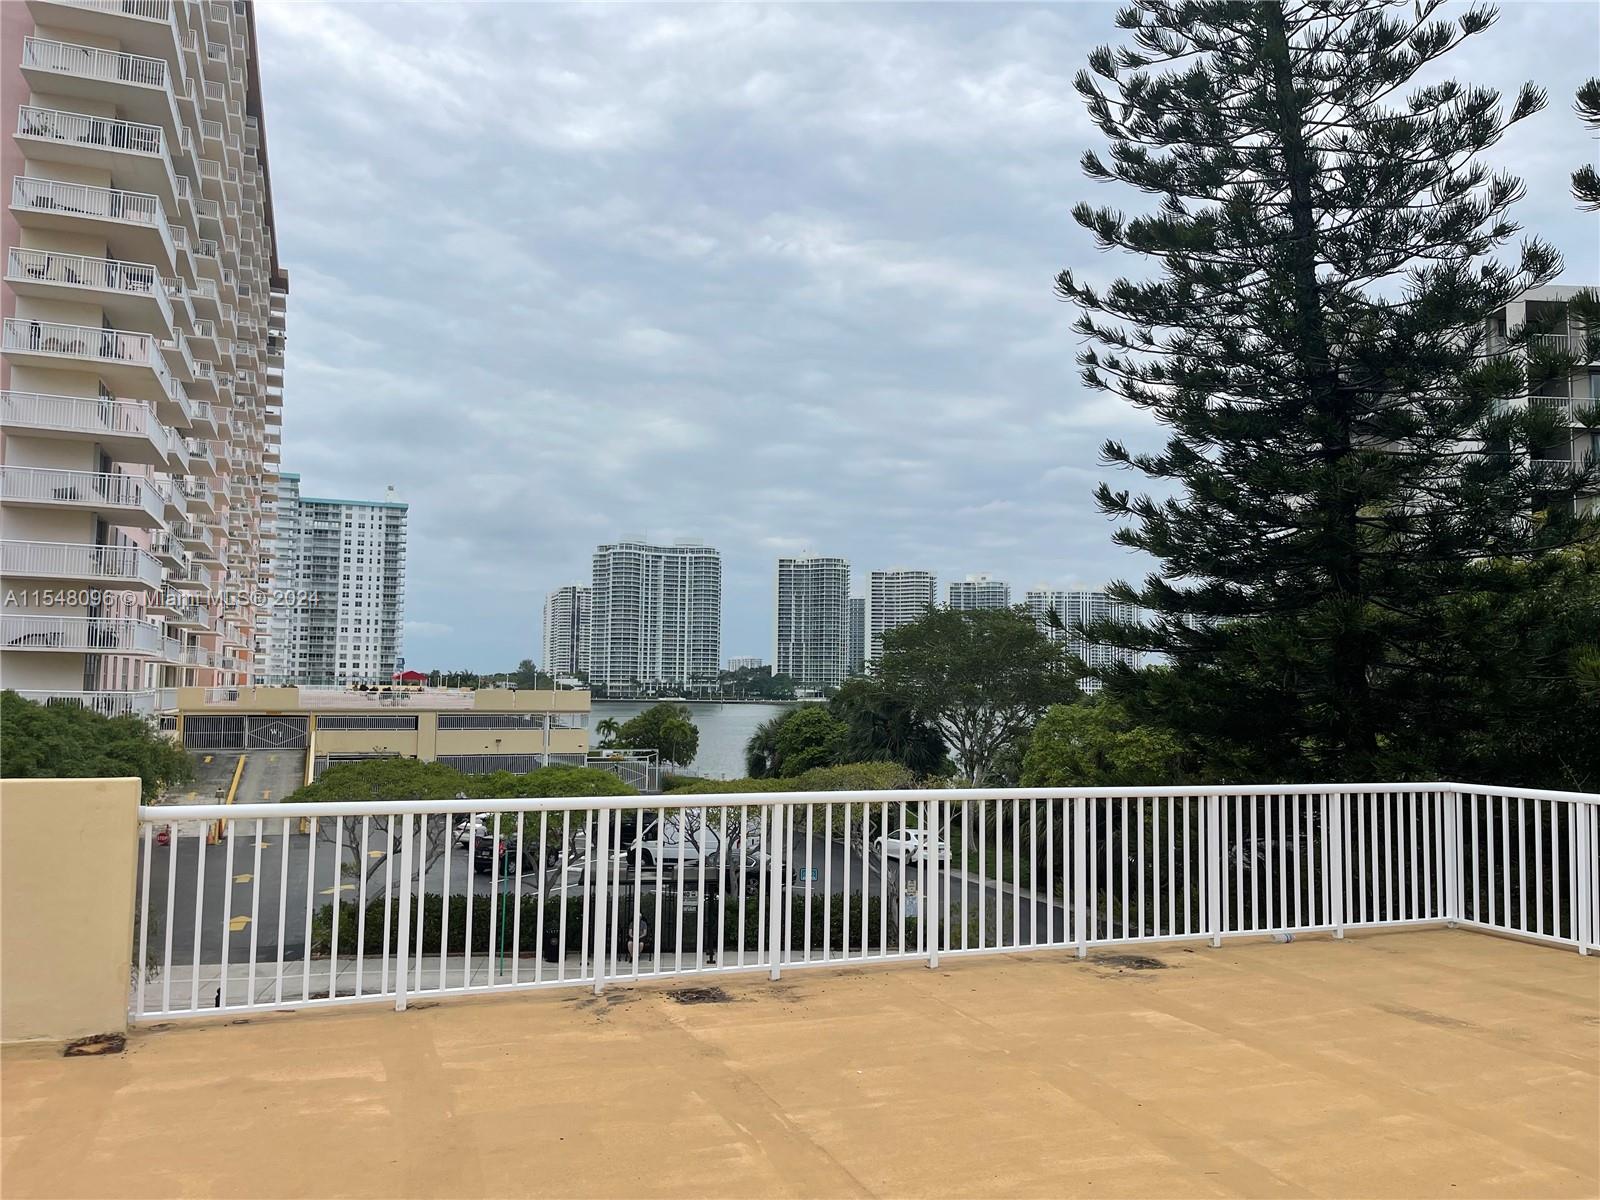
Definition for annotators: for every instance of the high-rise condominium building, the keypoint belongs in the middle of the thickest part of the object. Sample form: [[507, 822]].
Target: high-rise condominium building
[[655, 617], [142, 383], [1568, 397], [1071, 607], [566, 630], [746, 664], [857, 657], [811, 635], [340, 573], [894, 598], [812, 620], [978, 591]]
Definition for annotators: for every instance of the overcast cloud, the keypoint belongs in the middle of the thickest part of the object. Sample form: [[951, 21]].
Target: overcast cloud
[[778, 279]]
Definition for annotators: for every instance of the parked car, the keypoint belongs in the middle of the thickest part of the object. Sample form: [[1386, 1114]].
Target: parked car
[[472, 826], [908, 844]]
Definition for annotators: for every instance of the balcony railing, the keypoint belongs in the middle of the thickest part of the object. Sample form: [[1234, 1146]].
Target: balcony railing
[[82, 414], [80, 199], [150, 10], [79, 270], [87, 341], [91, 62], [100, 490], [83, 129], [88, 635], [108, 704], [640, 887], [71, 560]]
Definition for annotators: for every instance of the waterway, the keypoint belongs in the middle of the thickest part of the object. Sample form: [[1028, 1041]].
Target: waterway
[[724, 729]]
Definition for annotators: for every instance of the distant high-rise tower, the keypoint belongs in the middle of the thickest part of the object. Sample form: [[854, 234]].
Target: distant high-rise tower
[[858, 635], [655, 616], [351, 556], [566, 630], [811, 625], [979, 591], [894, 598], [1071, 607]]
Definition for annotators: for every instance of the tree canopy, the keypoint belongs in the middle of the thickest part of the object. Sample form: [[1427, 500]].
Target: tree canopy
[[61, 741], [666, 728], [1095, 744], [1346, 447], [980, 678]]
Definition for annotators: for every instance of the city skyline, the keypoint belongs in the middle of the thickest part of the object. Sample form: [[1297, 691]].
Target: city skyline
[[758, 348]]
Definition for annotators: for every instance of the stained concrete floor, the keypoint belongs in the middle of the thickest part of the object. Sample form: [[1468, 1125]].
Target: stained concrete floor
[[1406, 1064]]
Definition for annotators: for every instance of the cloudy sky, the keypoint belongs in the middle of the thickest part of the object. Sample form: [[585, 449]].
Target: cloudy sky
[[778, 279]]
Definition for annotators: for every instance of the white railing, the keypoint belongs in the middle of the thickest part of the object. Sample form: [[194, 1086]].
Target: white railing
[[151, 10], [80, 199], [78, 560], [447, 898], [91, 62], [92, 489], [86, 130], [89, 635], [81, 414], [79, 270], [108, 704], [86, 341]]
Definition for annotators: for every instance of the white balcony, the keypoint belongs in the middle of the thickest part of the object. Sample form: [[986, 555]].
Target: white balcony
[[49, 633], [187, 614], [133, 152], [190, 576], [175, 352], [147, 26], [166, 550], [133, 222], [198, 494], [128, 429], [129, 362], [79, 562], [144, 703], [201, 459], [138, 86], [119, 499], [130, 293]]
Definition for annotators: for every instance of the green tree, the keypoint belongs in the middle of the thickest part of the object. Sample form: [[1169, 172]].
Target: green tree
[[981, 679], [1586, 180], [61, 741], [881, 726], [1344, 443], [810, 737], [761, 748], [606, 730], [1095, 744], [1521, 701], [666, 728]]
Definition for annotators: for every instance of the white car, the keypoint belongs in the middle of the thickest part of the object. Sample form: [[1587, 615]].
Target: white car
[[476, 826], [908, 844]]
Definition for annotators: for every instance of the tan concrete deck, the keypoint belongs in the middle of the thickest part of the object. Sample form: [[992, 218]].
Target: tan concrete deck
[[1409, 1064]]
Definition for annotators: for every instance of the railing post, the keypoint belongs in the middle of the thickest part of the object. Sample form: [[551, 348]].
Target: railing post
[[1215, 868], [932, 824], [1451, 857], [775, 907], [1334, 807], [1584, 817], [403, 946], [1080, 875], [601, 852]]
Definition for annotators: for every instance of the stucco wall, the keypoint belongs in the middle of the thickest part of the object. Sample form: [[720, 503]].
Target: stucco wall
[[67, 870]]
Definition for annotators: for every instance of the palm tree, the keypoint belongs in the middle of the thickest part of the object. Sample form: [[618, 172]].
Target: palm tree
[[606, 730], [761, 751]]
